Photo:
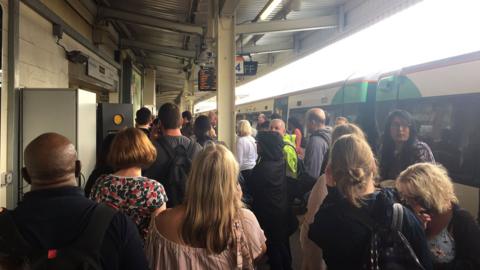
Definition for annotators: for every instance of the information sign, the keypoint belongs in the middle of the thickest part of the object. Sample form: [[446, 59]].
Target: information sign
[[207, 80], [250, 68]]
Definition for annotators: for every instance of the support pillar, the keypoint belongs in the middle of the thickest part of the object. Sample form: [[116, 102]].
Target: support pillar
[[126, 86], [149, 97], [225, 62], [14, 154]]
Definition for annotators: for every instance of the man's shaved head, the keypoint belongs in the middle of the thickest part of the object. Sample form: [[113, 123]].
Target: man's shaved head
[[315, 118], [278, 125], [50, 158]]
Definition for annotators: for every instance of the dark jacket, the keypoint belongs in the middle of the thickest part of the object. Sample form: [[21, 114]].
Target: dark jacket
[[268, 188], [53, 218], [344, 240], [187, 130], [466, 234], [204, 140], [92, 179], [392, 165]]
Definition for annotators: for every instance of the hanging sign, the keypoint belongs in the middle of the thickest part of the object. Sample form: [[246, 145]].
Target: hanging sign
[[239, 67], [207, 80], [101, 72], [250, 68]]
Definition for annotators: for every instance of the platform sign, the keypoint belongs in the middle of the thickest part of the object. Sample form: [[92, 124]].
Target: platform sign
[[207, 79], [101, 72], [239, 67], [250, 68]]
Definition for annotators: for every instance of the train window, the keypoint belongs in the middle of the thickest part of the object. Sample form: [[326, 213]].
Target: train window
[[449, 126]]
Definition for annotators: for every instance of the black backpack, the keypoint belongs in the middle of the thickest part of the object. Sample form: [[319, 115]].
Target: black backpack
[[388, 248], [176, 170], [82, 254]]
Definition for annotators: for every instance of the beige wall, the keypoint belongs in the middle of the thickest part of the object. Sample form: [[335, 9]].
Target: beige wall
[[42, 63]]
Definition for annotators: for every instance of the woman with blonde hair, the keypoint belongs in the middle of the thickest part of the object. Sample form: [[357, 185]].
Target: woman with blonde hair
[[246, 148], [126, 189], [452, 233], [312, 253], [338, 229], [211, 229]]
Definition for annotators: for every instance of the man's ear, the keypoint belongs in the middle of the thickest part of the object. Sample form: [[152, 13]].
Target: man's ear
[[78, 168], [26, 176]]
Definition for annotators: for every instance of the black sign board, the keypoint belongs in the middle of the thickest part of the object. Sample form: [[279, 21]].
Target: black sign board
[[207, 79], [250, 68]]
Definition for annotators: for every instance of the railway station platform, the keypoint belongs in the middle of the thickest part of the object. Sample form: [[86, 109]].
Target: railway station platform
[[84, 68]]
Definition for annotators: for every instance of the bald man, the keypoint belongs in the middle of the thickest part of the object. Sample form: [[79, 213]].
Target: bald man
[[316, 152], [289, 150], [55, 215]]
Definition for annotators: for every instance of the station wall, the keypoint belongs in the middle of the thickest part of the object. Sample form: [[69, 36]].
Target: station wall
[[42, 63]]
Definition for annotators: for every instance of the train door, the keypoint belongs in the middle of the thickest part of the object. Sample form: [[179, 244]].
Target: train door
[[280, 107]]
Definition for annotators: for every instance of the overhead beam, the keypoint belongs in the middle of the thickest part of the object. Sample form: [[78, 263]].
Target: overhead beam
[[229, 7], [172, 81], [169, 90], [270, 48], [170, 84], [128, 43], [159, 63], [82, 10], [141, 19], [316, 23]]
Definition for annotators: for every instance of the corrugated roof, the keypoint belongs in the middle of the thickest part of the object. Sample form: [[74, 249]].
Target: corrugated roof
[[175, 10], [179, 11]]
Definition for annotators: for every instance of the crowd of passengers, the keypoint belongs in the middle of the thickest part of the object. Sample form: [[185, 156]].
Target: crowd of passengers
[[168, 195]]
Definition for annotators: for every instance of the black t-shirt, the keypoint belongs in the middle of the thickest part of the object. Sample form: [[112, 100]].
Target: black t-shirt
[[53, 218]]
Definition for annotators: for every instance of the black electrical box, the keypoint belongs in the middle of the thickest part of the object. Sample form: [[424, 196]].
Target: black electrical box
[[111, 118]]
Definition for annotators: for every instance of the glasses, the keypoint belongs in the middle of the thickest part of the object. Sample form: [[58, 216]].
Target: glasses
[[398, 126]]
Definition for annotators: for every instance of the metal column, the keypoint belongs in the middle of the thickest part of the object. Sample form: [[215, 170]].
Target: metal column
[[126, 87], [14, 154], [149, 95], [225, 41]]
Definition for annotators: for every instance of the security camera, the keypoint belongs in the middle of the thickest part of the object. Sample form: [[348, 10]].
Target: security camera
[[77, 57]]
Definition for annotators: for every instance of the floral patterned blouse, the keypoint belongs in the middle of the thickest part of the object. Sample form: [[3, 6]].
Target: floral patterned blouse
[[138, 197]]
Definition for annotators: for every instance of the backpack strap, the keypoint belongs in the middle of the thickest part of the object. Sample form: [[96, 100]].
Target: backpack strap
[[167, 147], [292, 146], [92, 236], [10, 236], [397, 217], [190, 148]]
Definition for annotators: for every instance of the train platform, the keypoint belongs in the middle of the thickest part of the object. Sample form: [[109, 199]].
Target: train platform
[[85, 69]]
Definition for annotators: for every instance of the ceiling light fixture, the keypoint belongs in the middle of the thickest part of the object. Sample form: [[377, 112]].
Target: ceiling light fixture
[[271, 7]]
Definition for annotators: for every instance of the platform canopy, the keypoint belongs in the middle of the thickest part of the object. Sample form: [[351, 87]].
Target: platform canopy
[[173, 36]]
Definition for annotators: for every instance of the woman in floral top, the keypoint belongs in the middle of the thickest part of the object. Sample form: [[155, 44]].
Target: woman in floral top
[[139, 197]]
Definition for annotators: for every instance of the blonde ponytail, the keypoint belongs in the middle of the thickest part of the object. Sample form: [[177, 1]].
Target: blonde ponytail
[[353, 167]]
